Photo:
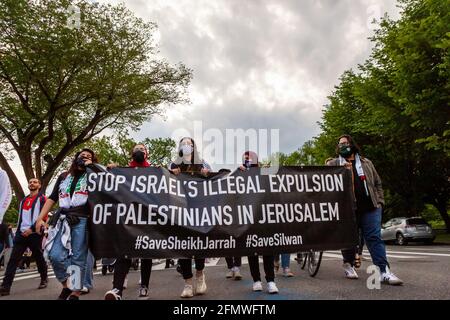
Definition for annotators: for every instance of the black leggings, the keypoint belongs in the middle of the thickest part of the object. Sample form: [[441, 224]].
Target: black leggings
[[122, 267], [233, 262], [268, 261], [186, 267], [21, 243]]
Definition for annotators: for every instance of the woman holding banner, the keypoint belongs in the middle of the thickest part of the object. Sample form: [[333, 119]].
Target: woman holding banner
[[188, 161], [67, 245], [122, 266], [369, 200], [249, 160]]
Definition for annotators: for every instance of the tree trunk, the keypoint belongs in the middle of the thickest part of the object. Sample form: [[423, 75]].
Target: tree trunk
[[27, 162], [12, 178], [441, 205]]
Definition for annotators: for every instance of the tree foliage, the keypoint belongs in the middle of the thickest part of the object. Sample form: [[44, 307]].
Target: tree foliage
[[61, 85]]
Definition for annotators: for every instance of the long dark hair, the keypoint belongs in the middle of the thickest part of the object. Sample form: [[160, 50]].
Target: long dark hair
[[251, 154], [73, 170], [353, 144], [195, 165]]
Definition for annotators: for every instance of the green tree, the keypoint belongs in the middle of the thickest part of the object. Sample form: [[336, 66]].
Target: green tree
[[396, 107], [117, 149], [12, 214], [61, 85]]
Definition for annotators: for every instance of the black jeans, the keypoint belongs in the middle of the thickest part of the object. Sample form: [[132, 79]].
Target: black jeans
[[233, 262], [122, 267], [186, 267], [21, 243], [268, 262]]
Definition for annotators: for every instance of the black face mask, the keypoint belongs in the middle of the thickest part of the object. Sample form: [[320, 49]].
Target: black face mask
[[79, 162], [345, 151], [138, 156]]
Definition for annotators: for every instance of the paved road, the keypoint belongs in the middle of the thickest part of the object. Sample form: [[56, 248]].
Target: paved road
[[424, 269]]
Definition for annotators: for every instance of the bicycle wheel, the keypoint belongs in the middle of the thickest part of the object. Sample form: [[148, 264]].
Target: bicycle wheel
[[314, 260], [305, 259]]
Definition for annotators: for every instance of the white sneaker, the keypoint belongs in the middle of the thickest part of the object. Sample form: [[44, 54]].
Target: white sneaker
[[257, 286], [237, 275], [272, 287], [230, 274], [113, 294], [350, 272], [143, 291], [389, 278], [85, 290], [188, 291], [200, 285]]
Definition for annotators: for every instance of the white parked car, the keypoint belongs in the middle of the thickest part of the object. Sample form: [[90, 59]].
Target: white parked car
[[404, 230]]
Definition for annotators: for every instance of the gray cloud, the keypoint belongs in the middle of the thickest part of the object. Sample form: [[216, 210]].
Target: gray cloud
[[260, 64]]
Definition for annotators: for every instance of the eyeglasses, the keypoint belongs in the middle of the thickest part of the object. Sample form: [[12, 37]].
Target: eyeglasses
[[345, 144]]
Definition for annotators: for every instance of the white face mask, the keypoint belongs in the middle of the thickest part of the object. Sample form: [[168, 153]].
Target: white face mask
[[186, 149]]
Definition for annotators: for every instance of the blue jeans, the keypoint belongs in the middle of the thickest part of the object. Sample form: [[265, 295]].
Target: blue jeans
[[370, 224], [60, 259], [285, 260], [89, 275]]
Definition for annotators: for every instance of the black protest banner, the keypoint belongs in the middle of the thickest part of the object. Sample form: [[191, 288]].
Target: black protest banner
[[151, 213]]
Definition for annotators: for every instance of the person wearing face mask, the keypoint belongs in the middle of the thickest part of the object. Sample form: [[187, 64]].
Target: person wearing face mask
[[188, 161], [250, 160], [67, 246], [368, 201], [139, 159]]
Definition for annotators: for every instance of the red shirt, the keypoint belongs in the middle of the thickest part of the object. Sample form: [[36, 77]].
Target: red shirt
[[134, 164]]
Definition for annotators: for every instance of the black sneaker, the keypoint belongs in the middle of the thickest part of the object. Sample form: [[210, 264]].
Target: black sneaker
[[65, 293], [43, 284], [73, 297], [4, 291]]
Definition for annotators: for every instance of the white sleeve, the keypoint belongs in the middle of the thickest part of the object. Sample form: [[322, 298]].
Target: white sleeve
[[5, 193]]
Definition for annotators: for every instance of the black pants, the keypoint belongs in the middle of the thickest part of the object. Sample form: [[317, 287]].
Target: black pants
[[186, 267], [21, 243], [268, 261], [233, 262], [122, 267]]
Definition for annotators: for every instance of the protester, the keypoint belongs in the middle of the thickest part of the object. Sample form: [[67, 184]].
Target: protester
[[285, 264], [3, 237], [6, 254], [169, 263], [249, 160], [5, 193], [66, 245], [122, 266], [27, 237], [369, 200], [189, 161]]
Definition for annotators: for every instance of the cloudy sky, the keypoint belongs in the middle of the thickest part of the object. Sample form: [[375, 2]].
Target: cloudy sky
[[259, 64]]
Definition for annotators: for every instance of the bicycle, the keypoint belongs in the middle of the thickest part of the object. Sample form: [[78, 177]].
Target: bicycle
[[312, 258]]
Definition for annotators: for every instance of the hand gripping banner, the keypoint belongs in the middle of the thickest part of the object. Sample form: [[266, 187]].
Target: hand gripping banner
[[151, 213]]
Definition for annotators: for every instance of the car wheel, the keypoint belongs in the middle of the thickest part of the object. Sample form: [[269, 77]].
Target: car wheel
[[401, 241]]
